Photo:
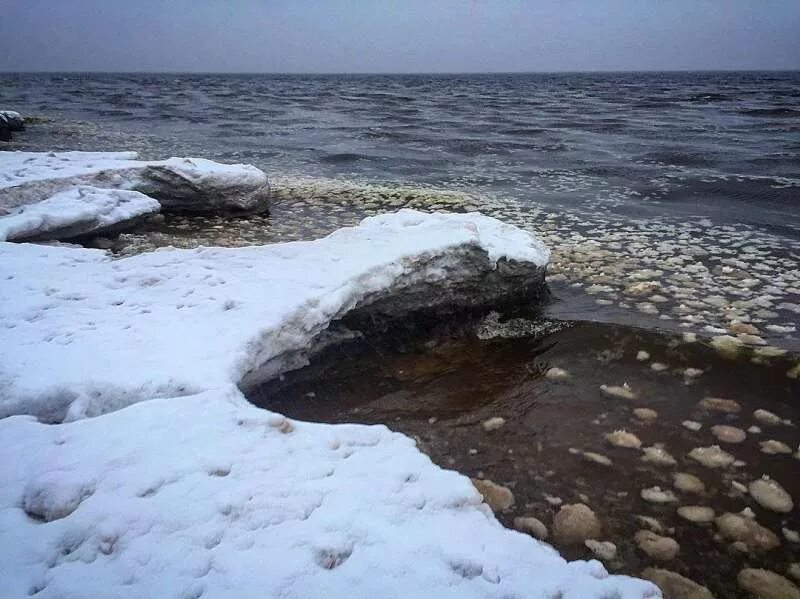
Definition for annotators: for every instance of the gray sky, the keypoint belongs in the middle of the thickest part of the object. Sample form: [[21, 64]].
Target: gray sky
[[398, 36]]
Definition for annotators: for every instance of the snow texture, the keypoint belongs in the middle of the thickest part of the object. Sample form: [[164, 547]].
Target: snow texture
[[75, 211], [193, 492]]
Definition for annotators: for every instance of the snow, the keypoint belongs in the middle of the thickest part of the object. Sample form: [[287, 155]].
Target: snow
[[17, 168], [85, 208], [208, 495], [112, 332], [193, 492]]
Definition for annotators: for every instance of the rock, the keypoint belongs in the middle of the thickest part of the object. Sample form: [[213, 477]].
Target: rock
[[767, 418], [770, 495], [498, 497], [794, 570], [765, 584], [712, 457], [618, 392], [696, 513], [728, 434], [650, 523], [727, 346], [658, 367], [754, 430], [773, 447], [675, 586], [532, 526], [692, 425], [596, 458], [621, 438], [791, 535], [658, 456], [717, 404], [492, 424], [642, 356], [602, 550], [656, 546], [576, 523], [688, 483], [645, 414], [656, 495], [13, 119], [556, 374], [737, 327], [746, 530], [5, 129]]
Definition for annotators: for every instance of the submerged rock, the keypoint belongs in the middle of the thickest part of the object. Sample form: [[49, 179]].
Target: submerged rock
[[727, 346], [696, 513], [576, 523], [621, 438], [739, 528], [765, 584], [688, 483], [618, 392], [656, 495], [675, 586], [532, 526], [712, 457], [656, 546], [497, 497], [728, 434], [717, 404], [645, 414], [596, 458], [771, 495]]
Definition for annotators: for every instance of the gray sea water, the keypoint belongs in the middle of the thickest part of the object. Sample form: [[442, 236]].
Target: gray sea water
[[626, 175]]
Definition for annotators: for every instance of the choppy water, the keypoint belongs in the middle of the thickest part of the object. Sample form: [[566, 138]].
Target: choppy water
[[690, 179]]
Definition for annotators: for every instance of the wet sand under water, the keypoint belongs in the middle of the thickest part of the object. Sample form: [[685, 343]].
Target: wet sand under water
[[440, 393]]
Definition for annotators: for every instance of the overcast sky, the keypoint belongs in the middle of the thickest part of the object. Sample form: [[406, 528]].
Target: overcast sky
[[398, 36]]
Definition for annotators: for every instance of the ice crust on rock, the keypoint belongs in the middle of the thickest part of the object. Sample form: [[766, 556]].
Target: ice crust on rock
[[195, 492], [82, 333], [181, 184], [73, 212]]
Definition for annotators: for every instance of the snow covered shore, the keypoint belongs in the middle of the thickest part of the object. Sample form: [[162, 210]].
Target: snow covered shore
[[194, 492], [179, 184]]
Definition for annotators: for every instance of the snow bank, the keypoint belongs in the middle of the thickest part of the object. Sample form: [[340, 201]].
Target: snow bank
[[183, 184], [82, 334], [209, 496], [75, 211]]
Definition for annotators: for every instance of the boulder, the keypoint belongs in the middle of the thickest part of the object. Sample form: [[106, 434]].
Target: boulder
[[675, 586], [576, 523], [765, 584], [13, 119]]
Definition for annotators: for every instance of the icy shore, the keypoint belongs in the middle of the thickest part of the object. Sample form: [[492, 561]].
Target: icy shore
[[193, 491]]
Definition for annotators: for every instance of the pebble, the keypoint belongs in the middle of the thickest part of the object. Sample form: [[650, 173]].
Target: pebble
[[773, 447], [656, 546], [791, 535], [498, 497], [618, 392], [552, 500], [621, 438], [696, 513], [602, 550], [771, 495], [642, 356], [728, 434], [717, 404], [576, 523], [650, 523], [556, 374], [596, 458], [736, 527], [656, 495], [645, 414], [692, 425], [765, 584], [658, 367], [712, 457], [532, 526], [754, 430], [658, 456], [492, 424], [688, 483], [675, 586], [768, 418]]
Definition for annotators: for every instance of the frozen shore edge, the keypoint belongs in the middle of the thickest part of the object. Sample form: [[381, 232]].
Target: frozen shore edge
[[193, 491]]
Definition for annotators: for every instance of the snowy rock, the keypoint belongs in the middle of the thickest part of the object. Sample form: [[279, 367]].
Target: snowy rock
[[656, 495], [773, 447], [618, 392], [602, 550], [728, 434], [625, 439], [109, 333], [767, 418], [532, 526], [717, 404], [656, 546], [688, 483], [765, 584], [596, 458], [556, 374], [74, 212], [175, 496], [493, 424], [13, 119], [675, 586], [497, 497], [770, 495], [179, 184], [658, 456], [576, 523], [746, 530], [712, 457], [698, 514], [5, 129], [692, 425], [645, 414]]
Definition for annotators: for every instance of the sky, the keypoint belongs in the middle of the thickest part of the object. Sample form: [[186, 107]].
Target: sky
[[394, 36]]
